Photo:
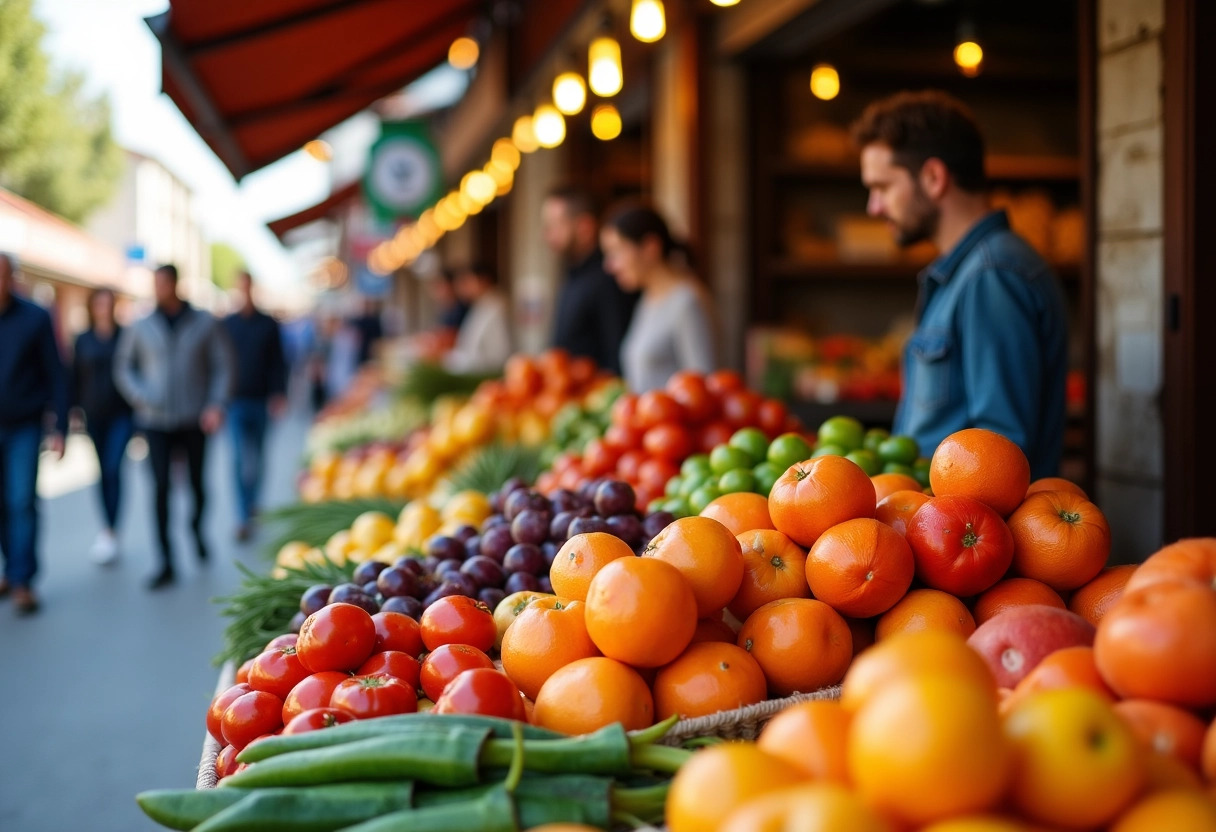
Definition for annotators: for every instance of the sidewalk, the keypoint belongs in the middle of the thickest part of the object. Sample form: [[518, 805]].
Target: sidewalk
[[105, 690]]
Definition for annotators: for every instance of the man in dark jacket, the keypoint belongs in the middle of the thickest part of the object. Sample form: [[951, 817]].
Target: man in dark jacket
[[33, 382], [259, 394], [593, 313]]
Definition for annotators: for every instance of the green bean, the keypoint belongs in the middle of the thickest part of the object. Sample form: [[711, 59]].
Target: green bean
[[186, 808], [606, 751], [494, 811], [316, 809], [569, 798]]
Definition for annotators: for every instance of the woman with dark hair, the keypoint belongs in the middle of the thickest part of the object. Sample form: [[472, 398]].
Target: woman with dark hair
[[107, 414], [671, 329]]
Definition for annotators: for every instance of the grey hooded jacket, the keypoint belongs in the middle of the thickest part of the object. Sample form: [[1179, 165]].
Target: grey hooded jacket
[[171, 374]]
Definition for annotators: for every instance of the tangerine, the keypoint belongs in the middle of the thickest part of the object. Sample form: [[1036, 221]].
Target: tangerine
[[982, 465], [926, 609], [708, 678], [1178, 810], [774, 567], [1166, 729], [1092, 601], [1014, 592], [1070, 667], [1056, 484], [740, 512], [707, 554], [801, 644], [641, 611], [815, 807], [1193, 558], [812, 496], [860, 567], [720, 779], [887, 484], [812, 736], [912, 654], [580, 559], [898, 509], [549, 634], [588, 694], [1060, 539]]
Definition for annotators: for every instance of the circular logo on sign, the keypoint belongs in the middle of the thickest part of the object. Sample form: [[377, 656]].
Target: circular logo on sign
[[402, 174]]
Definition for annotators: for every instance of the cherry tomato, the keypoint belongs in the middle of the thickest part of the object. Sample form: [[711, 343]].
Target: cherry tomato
[[654, 473], [668, 440], [225, 762], [337, 637], [772, 417], [656, 407], [444, 664], [625, 410], [242, 672], [285, 640], [393, 663], [316, 719], [250, 716], [312, 692], [600, 458], [458, 620], [397, 631], [277, 671], [622, 438], [691, 392], [631, 461], [371, 696], [741, 408], [215, 713], [481, 691], [723, 381]]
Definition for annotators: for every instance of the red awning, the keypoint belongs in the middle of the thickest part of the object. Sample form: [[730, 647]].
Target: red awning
[[319, 211], [259, 78]]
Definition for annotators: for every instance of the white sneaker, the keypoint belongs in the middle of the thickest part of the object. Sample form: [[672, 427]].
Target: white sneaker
[[105, 548]]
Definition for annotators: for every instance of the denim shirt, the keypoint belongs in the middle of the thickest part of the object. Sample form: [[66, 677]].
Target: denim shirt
[[990, 349]]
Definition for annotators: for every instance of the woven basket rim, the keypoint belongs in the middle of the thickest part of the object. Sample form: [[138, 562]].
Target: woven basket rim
[[749, 717]]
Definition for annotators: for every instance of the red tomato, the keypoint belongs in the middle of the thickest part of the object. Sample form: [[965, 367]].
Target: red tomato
[[215, 713], [312, 692], [644, 494], [599, 458], [741, 408], [656, 407], [723, 381], [571, 478], [622, 438], [393, 663], [630, 462], [482, 691], [371, 696], [458, 620], [715, 434], [242, 672], [656, 472], [337, 637], [277, 671], [397, 631], [445, 664], [625, 410], [961, 546], [285, 640], [670, 441], [772, 417], [316, 719], [225, 762], [690, 392], [250, 716]]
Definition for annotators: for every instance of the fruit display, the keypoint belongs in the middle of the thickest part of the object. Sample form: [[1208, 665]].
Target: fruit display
[[791, 364]]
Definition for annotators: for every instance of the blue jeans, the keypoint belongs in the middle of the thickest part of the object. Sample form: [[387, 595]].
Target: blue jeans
[[19, 501], [247, 419], [110, 437]]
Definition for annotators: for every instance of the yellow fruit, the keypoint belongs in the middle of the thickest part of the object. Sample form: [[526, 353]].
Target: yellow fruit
[[471, 507], [292, 554], [1180, 810], [533, 429], [818, 807], [338, 546], [473, 425], [371, 530], [388, 553], [370, 481], [343, 487], [978, 823], [314, 490], [720, 779], [324, 465]]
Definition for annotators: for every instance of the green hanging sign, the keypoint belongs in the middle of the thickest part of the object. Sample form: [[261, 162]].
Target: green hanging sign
[[403, 175]]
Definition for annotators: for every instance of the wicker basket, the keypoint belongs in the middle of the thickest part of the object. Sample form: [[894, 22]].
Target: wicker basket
[[211, 749], [742, 723]]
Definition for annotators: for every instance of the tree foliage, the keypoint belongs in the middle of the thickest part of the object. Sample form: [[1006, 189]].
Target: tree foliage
[[225, 263], [56, 145]]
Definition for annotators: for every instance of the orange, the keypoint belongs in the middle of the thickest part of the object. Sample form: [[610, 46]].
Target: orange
[[720, 779], [863, 633], [1093, 600], [713, 629], [1056, 484], [740, 512], [814, 807], [802, 645], [926, 609], [860, 567], [588, 694], [774, 567], [1165, 771], [641, 611], [1071, 667], [580, 559], [708, 556], [812, 736], [1014, 592], [887, 484], [907, 655], [1077, 765], [982, 465], [978, 823], [1165, 728], [1159, 642], [897, 509], [929, 747], [1060, 539], [705, 679], [1177, 810], [1209, 753], [812, 496], [1193, 559], [549, 634]]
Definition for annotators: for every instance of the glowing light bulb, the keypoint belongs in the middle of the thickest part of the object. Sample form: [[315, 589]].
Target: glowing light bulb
[[463, 53], [825, 82], [605, 122], [969, 55], [524, 135], [604, 74], [647, 21], [549, 126], [505, 153], [569, 93]]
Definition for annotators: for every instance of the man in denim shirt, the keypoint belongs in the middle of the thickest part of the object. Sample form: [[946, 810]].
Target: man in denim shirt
[[991, 344]]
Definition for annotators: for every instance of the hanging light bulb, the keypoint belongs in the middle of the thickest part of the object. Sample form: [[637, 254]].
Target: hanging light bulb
[[724, 2], [604, 74], [505, 153], [463, 53], [605, 122], [647, 21], [825, 82], [569, 93], [969, 55], [480, 187], [549, 126], [523, 134]]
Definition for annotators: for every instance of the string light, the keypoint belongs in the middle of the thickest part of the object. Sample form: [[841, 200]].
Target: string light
[[825, 82], [549, 126], [524, 136], [569, 93], [604, 74], [505, 153], [647, 21], [969, 55], [724, 2], [605, 122], [463, 53]]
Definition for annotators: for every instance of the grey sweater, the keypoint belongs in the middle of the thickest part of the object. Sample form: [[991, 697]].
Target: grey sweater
[[668, 334], [170, 374]]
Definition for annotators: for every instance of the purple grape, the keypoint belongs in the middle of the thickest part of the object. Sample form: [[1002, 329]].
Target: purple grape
[[530, 526], [464, 532], [467, 585], [549, 549], [545, 584], [521, 582], [563, 499], [614, 497], [449, 565], [516, 502], [496, 541], [485, 572], [627, 527], [512, 485], [588, 525], [426, 585], [297, 621], [559, 529], [343, 592], [491, 596], [359, 598], [496, 502], [314, 598], [524, 557], [656, 522], [587, 490], [405, 605], [443, 591], [428, 564], [369, 570], [445, 548], [410, 564], [472, 546], [494, 520], [371, 589], [397, 582]]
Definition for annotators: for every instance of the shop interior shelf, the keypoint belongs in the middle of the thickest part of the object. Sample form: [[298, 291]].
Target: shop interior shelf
[[871, 413]]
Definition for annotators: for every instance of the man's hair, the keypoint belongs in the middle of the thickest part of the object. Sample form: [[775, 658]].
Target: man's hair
[[577, 200], [168, 269], [930, 124]]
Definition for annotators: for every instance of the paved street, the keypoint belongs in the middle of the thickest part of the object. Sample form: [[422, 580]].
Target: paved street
[[105, 691]]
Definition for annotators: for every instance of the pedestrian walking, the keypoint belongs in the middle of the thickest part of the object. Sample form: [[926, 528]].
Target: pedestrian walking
[[107, 415], [258, 395], [175, 367], [483, 342], [33, 383]]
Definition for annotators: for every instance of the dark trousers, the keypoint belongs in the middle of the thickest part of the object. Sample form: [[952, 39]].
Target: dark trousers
[[19, 501], [247, 420], [162, 447], [110, 436]]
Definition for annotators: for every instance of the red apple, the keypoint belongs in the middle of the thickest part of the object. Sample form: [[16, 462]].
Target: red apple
[[1014, 642]]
